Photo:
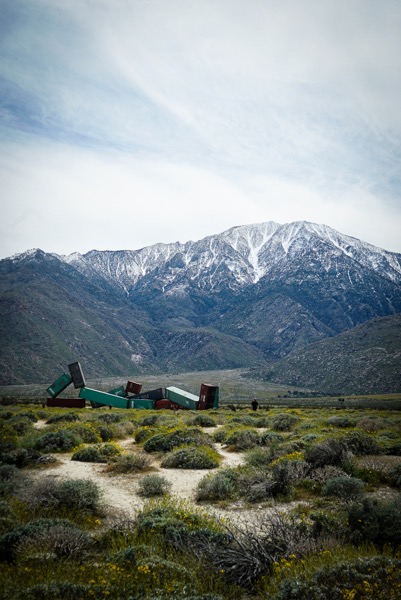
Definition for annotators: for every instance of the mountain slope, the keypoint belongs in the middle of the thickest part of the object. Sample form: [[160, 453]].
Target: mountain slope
[[233, 299], [365, 359]]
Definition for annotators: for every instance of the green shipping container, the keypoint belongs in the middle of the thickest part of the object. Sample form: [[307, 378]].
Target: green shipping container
[[120, 391], [103, 398], [182, 398], [143, 403], [59, 385]]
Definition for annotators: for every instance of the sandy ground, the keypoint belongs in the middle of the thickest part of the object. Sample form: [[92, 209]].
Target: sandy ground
[[121, 491]]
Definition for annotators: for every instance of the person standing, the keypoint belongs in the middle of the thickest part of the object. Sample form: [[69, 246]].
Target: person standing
[[254, 404]]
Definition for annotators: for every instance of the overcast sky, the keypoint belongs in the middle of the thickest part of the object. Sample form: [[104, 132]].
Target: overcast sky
[[129, 122]]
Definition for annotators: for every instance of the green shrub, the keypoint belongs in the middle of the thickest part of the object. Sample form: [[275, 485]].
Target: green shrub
[[69, 494], [88, 433], [8, 438], [394, 449], [57, 441], [217, 486], [242, 439], [154, 485], [192, 457], [67, 417], [20, 424], [203, 420], [22, 457], [343, 487], [364, 578], [259, 485], [341, 422], [376, 522], [11, 541], [6, 414], [106, 433], [284, 422], [144, 433], [395, 476], [97, 453], [131, 463], [331, 451], [165, 442], [269, 438], [260, 457], [110, 417], [57, 590], [361, 443], [10, 479]]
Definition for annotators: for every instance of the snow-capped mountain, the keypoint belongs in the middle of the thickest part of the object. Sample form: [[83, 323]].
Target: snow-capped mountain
[[232, 299], [235, 258]]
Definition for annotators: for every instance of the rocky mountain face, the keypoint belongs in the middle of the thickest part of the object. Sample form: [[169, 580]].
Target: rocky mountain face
[[252, 293], [364, 360]]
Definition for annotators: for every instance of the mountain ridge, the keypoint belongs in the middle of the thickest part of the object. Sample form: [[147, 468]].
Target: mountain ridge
[[251, 293]]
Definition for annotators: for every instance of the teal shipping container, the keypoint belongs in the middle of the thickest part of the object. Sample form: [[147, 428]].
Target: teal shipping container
[[120, 391], [182, 398], [143, 403], [103, 398], [59, 385]]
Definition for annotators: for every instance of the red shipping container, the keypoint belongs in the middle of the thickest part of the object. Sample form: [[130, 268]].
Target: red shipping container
[[160, 404], [66, 402], [207, 396], [133, 387]]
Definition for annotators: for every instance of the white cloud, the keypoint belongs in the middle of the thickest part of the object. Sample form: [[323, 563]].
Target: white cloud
[[156, 121]]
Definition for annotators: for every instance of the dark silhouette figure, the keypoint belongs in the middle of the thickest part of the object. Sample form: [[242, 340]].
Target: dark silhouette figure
[[254, 404]]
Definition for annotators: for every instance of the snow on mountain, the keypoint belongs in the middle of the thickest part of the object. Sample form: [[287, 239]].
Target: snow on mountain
[[239, 257]]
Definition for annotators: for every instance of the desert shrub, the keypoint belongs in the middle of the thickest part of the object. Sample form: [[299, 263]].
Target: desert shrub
[[343, 487], [246, 420], [70, 494], [203, 420], [62, 440], [394, 449], [67, 417], [217, 486], [395, 476], [310, 437], [28, 414], [260, 456], [376, 522], [123, 429], [144, 433], [270, 438], [259, 485], [361, 443], [86, 431], [165, 442], [98, 453], [11, 541], [130, 463], [110, 417], [220, 434], [323, 474], [192, 457], [341, 422], [6, 414], [60, 540], [154, 485], [362, 578], [10, 479], [22, 457], [331, 451], [21, 424], [251, 549], [106, 433], [284, 422], [57, 590], [242, 439], [371, 424], [8, 438], [176, 522], [8, 517], [126, 556]]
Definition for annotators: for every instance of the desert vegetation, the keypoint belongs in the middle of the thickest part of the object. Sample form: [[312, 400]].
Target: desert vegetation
[[286, 503]]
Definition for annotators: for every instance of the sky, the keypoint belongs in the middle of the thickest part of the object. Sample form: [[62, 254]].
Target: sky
[[124, 123]]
